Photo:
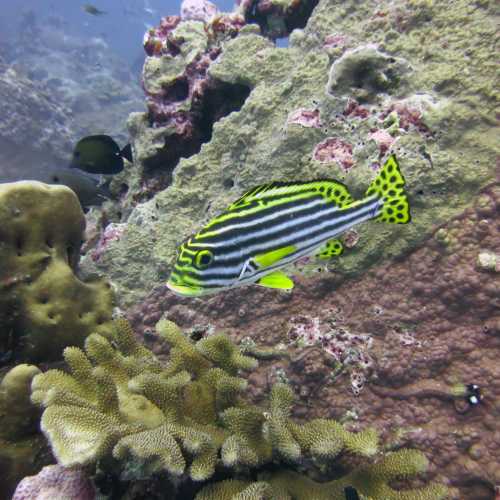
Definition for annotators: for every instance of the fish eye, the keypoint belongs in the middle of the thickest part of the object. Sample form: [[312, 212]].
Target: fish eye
[[203, 259]]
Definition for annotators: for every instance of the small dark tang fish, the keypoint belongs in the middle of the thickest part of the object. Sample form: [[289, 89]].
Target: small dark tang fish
[[99, 154], [92, 10], [274, 225]]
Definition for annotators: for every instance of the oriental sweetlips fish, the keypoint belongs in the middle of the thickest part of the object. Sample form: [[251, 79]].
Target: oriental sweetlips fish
[[273, 225]]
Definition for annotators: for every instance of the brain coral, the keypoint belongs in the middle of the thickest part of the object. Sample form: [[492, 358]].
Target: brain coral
[[189, 417], [44, 306]]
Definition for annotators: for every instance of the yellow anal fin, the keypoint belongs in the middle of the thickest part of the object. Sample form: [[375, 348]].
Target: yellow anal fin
[[332, 248], [276, 279], [269, 258], [389, 185]]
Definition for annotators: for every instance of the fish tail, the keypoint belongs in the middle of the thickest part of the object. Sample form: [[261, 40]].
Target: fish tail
[[126, 153], [389, 186]]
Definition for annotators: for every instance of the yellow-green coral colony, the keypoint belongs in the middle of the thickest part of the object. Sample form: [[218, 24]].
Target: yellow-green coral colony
[[274, 225], [190, 417], [42, 301]]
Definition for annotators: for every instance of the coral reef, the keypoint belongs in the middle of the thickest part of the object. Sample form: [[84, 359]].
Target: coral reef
[[44, 126], [189, 418], [54, 481], [367, 78], [17, 414], [22, 449], [370, 481], [433, 319], [44, 306]]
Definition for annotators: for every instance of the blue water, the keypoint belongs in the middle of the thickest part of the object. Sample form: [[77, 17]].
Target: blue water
[[122, 27]]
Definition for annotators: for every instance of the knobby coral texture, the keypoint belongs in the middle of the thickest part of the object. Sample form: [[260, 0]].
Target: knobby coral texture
[[189, 419], [44, 306], [229, 110]]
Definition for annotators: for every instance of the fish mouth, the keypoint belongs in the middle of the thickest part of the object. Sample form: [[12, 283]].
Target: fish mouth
[[182, 290]]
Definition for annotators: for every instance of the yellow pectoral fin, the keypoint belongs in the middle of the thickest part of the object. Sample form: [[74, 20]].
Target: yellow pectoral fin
[[270, 258], [276, 279], [332, 248]]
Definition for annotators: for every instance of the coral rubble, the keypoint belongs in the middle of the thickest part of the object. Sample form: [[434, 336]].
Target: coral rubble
[[44, 306], [189, 418]]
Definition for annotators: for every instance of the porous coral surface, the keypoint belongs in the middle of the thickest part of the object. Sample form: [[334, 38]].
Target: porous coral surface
[[418, 72], [434, 322], [44, 306], [56, 482]]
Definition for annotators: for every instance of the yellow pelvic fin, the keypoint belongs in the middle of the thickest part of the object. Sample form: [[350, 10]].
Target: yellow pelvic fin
[[332, 248], [269, 258], [389, 185], [276, 279]]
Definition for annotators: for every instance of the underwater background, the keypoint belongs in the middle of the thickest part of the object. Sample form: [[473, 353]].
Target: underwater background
[[156, 155]]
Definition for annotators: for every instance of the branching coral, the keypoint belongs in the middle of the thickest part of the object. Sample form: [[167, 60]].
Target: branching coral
[[370, 481], [118, 400]]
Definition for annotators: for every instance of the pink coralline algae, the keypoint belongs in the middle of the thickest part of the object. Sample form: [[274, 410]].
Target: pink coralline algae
[[335, 41], [158, 41], [305, 117], [112, 232], [198, 10], [408, 116], [304, 330], [336, 150], [350, 351], [53, 482], [354, 110], [383, 139], [179, 104]]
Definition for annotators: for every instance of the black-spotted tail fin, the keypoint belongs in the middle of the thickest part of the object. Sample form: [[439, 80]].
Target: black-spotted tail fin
[[390, 185]]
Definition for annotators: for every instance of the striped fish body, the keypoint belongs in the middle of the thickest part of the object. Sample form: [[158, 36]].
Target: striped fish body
[[273, 225]]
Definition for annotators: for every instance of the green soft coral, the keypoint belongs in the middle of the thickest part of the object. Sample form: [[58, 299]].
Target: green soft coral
[[189, 417]]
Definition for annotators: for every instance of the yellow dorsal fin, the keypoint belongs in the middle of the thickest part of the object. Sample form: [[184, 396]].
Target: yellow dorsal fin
[[276, 279], [331, 190], [269, 258]]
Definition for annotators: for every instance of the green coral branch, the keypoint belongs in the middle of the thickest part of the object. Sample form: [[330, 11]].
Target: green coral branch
[[190, 417]]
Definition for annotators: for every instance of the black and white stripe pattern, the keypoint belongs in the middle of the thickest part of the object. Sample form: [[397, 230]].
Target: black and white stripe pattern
[[306, 224]]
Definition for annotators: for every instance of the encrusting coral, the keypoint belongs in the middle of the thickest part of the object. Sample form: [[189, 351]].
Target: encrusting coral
[[118, 400], [44, 307], [16, 411], [22, 450]]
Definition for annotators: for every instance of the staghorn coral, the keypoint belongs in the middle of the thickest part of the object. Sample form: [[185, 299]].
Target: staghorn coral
[[44, 307], [118, 400]]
